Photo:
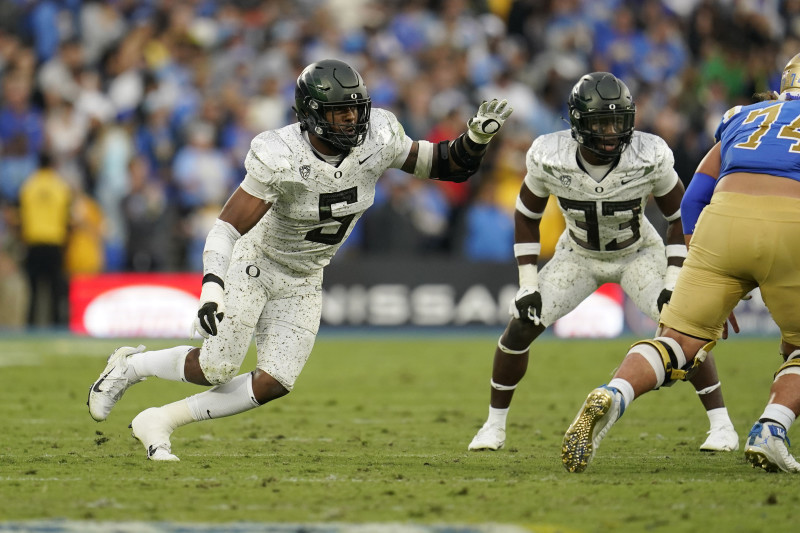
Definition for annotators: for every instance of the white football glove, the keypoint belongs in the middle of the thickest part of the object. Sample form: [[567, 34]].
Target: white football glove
[[211, 311], [488, 120], [527, 305]]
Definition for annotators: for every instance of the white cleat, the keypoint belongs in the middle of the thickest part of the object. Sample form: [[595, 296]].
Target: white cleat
[[724, 439], [162, 453], [767, 448], [489, 437], [601, 409], [112, 383], [153, 430]]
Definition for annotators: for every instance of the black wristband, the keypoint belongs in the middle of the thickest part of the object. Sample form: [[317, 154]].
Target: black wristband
[[464, 158], [477, 148], [213, 277], [444, 151]]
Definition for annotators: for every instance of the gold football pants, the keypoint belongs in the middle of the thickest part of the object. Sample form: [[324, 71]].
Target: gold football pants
[[741, 242]]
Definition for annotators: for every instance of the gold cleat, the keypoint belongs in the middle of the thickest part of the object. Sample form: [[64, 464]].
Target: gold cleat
[[759, 460], [580, 440]]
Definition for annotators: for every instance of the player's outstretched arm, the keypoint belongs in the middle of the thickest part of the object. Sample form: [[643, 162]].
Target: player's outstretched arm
[[459, 159]]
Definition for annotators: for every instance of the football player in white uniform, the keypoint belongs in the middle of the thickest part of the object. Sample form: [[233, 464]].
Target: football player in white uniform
[[602, 172], [306, 186]]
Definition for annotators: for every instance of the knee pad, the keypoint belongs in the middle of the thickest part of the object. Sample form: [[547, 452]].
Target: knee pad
[[791, 366], [666, 357], [220, 372]]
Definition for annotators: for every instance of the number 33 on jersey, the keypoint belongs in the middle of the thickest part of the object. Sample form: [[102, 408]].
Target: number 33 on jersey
[[606, 215]]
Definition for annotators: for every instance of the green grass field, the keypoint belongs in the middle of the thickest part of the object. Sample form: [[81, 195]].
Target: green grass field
[[376, 432]]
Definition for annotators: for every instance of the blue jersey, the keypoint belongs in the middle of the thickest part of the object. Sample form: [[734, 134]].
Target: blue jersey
[[762, 138]]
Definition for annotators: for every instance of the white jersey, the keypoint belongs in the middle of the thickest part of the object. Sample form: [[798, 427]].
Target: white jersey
[[604, 219], [605, 222], [315, 205]]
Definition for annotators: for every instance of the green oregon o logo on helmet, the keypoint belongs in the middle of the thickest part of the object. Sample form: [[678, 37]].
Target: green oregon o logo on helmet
[[325, 87]]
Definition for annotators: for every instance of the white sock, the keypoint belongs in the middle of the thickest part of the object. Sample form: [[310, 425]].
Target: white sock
[[497, 417], [164, 364], [625, 388], [228, 399], [780, 414], [718, 418], [178, 413]]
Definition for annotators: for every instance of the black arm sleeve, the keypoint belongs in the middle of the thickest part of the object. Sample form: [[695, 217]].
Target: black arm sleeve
[[464, 153]]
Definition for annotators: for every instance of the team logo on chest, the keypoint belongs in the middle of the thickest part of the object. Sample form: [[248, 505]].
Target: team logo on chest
[[305, 171]]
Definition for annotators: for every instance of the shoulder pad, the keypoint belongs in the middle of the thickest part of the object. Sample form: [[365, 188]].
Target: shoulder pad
[[385, 125], [272, 151], [730, 113], [661, 150], [539, 146]]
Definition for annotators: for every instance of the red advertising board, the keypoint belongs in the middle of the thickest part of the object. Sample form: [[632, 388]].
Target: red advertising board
[[601, 315], [134, 305]]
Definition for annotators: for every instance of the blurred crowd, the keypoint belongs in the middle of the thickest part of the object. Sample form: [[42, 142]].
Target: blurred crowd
[[124, 124]]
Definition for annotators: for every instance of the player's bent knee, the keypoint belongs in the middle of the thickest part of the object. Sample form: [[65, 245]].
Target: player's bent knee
[[665, 355], [220, 373], [520, 334]]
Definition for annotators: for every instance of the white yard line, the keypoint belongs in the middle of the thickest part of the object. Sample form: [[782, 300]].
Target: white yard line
[[66, 526]]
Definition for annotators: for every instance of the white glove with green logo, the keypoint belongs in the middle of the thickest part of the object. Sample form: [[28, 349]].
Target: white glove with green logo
[[488, 120]]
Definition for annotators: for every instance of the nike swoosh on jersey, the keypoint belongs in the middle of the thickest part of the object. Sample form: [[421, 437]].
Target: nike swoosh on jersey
[[361, 161]]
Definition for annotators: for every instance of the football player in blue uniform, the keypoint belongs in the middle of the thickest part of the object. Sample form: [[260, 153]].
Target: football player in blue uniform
[[741, 215]]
